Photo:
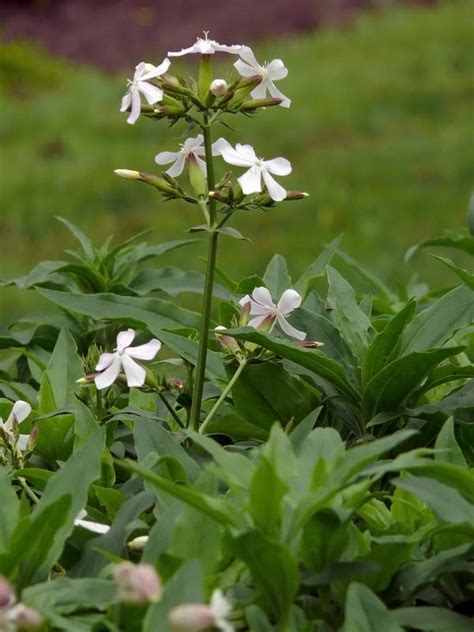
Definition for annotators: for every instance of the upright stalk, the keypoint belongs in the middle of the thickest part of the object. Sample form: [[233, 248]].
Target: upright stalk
[[208, 286]]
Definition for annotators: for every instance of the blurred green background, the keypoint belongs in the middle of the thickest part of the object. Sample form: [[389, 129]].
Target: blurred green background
[[380, 133]]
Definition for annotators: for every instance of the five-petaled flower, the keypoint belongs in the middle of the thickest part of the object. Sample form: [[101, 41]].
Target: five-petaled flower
[[191, 149], [124, 357], [19, 413], [248, 66], [140, 84], [264, 313], [258, 168], [192, 617], [206, 46]]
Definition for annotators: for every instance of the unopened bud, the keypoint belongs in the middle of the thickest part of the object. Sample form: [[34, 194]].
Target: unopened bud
[[295, 195], [218, 87], [196, 177], [249, 82], [137, 583], [138, 543], [26, 618], [168, 110], [309, 344], [87, 379], [128, 174], [245, 305], [243, 88], [7, 594], [191, 617], [255, 104], [217, 195], [176, 383], [159, 183], [33, 437], [226, 343]]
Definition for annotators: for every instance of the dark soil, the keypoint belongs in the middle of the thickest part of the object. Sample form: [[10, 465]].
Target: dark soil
[[115, 33]]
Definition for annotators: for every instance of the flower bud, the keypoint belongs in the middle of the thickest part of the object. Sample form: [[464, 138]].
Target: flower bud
[[218, 87], [168, 110], [191, 617], [26, 618], [196, 177], [138, 543], [309, 344], [245, 305], [254, 104], [137, 583], [7, 594], [226, 343], [128, 174], [175, 383], [295, 195]]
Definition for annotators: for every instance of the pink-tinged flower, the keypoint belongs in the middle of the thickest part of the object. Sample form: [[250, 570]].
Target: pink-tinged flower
[[137, 583], [258, 168], [19, 413], [192, 148], [248, 66], [123, 357], [140, 85], [205, 46], [193, 617], [264, 313], [89, 525]]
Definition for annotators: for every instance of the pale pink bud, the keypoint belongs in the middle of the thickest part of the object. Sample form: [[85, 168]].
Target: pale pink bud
[[226, 343], [191, 617], [7, 594], [218, 87], [137, 583], [245, 305], [27, 618]]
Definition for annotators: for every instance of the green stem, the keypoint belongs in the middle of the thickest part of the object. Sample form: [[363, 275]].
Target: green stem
[[225, 392], [208, 286], [29, 492], [171, 410]]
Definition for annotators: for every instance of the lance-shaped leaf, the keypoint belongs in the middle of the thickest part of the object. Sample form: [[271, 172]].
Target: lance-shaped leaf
[[276, 276], [365, 612]]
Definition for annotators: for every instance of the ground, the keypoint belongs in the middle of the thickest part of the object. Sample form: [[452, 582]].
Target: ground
[[110, 34]]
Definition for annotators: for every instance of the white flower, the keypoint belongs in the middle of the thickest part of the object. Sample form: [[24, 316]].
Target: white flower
[[139, 84], [251, 180], [95, 527], [192, 617], [263, 309], [19, 413], [218, 87], [192, 147], [111, 363], [248, 66], [208, 47]]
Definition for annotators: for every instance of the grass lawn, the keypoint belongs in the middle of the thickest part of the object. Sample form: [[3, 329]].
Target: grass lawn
[[380, 134]]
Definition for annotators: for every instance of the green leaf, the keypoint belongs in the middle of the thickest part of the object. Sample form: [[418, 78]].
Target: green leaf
[[87, 245], [364, 612], [391, 387], [470, 216], [173, 281], [10, 510], [450, 452], [436, 324], [232, 232], [459, 242], [311, 359], [215, 508], [266, 493], [274, 571], [276, 276], [432, 619], [463, 274], [446, 502], [318, 267], [64, 368], [368, 276], [55, 438], [350, 320], [385, 344]]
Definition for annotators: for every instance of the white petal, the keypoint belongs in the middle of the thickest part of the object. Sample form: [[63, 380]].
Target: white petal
[[136, 107], [221, 606], [135, 373], [244, 300], [251, 181], [177, 168], [247, 54], [22, 442], [201, 164], [165, 157], [289, 329], [220, 144], [139, 70], [290, 300], [278, 166], [95, 527], [20, 411], [105, 361], [257, 321], [152, 94], [275, 190], [247, 151], [262, 295], [155, 71], [286, 102], [184, 51], [234, 49], [260, 92], [108, 377], [126, 101], [256, 309], [276, 70], [125, 339], [193, 143], [234, 157], [245, 70], [163, 67], [144, 352]]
